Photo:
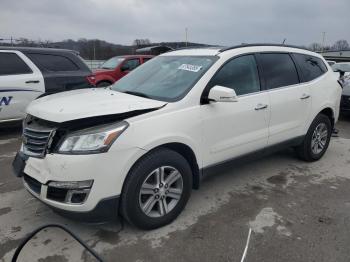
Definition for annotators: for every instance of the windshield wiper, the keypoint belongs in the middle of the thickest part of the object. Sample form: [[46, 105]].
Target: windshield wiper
[[135, 93]]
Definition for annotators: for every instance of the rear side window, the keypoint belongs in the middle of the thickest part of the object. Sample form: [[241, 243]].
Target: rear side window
[[311, 67], [54, 63], [12, 64], [279, 70], [240, 74]]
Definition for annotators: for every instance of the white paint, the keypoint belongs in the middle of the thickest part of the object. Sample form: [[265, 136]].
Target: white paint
[[246, 246]]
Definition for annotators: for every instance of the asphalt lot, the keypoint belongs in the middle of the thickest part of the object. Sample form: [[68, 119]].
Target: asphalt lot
[[297, 212]]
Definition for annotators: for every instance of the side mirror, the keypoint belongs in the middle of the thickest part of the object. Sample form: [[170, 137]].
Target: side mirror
[[124, 68], [222, 94]]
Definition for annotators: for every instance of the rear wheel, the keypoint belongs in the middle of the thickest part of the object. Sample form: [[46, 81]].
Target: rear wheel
[[316, 140], [156, 189], [103, 84]]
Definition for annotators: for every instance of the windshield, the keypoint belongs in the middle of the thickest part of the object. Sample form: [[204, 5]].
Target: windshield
[[112, 63], [165, 78]]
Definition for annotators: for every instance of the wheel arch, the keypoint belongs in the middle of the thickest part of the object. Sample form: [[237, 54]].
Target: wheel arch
[[329, 112], [183, 149]]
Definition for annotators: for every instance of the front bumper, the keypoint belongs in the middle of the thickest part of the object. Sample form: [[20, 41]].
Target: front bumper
[[107, 170], [105, 210]]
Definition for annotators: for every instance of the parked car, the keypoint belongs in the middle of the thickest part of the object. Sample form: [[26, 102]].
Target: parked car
[[115, 68], [139, 147], [331, 62], [27, 73], [342, 71], [342, 67]]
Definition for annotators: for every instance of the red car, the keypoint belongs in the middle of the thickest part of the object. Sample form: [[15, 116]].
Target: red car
[[115, 68]]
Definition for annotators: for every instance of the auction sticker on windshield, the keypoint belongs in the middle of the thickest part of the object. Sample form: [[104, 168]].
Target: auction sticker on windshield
[[192, 68]]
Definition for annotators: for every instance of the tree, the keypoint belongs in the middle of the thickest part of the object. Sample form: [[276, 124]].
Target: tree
[[341, 45], [315, 47], [141, 42]]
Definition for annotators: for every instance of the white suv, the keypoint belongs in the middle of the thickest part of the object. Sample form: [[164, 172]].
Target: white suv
[[138, 147]]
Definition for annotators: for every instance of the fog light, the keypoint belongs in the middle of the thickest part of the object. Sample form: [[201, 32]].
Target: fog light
[[77, 196], [72, 184]]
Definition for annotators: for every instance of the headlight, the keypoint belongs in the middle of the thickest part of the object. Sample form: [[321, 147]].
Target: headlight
[[92, 140]]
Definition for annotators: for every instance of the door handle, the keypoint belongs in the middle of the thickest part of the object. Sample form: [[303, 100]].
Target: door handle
[[32, 82], [304, 96], [260, 106]]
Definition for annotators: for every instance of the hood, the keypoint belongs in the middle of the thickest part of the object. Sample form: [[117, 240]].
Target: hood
[[84, 103]]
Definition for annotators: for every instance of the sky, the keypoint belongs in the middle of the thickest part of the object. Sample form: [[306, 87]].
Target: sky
[[221, 22]]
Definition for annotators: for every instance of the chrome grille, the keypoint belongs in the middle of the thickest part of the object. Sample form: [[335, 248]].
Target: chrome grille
[[36, 141]]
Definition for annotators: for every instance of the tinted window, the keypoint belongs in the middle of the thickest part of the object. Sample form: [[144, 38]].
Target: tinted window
[[53, 63], [12, 64], [279, 70], [240, 74], [311, 67], [132, 63]]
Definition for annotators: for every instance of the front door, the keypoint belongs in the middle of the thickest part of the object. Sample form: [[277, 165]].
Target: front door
[[235, 128]]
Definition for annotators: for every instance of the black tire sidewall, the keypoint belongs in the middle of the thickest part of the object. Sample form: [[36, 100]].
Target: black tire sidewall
[[131, 209], [307, 147], [103, 84]]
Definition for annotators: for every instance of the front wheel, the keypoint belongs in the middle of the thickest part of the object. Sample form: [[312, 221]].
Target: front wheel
[[316, 140], [157, 189]]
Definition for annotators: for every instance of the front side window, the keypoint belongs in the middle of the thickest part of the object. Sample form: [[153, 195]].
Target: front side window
[[311, 67], [131, 64], [240, 74], [53, 63], [12, 64], [165, 78], [279, 70]]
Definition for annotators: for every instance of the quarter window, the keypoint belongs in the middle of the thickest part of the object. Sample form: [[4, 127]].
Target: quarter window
[[311, 67], [12, 64], [279, 70], [240, 74], [53, 63]]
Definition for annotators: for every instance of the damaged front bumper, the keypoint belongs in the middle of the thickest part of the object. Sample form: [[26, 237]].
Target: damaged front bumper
[[79, 186]]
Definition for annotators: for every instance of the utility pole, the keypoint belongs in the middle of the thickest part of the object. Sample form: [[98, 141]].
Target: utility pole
[[186, 35], [323, 40]]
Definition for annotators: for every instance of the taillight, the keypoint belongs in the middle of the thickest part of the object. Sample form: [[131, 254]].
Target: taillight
[[91, 79]]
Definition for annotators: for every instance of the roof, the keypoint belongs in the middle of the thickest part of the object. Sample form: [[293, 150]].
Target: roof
[[157, 47], [213, 51], [37, 49], [133, 56]]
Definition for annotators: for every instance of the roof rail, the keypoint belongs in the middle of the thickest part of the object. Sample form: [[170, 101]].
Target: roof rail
[[260, 44]]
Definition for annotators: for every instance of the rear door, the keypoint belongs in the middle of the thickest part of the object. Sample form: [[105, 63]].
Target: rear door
[[62, 72], [20, 83], [290, 100]]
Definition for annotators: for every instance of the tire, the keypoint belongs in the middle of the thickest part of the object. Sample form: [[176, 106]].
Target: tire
[[146, 170], [305, 150], [103, 84]]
